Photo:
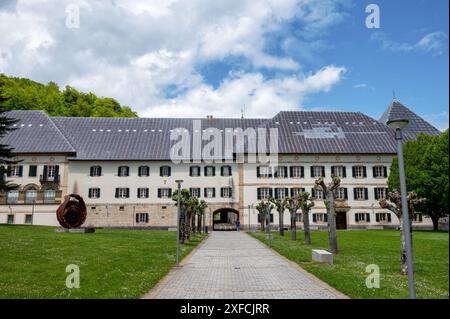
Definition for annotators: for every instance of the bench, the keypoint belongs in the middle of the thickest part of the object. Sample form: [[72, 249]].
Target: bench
[[322, 256]]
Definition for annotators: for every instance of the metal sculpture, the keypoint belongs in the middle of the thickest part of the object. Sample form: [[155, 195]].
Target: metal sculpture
[[72, 212]]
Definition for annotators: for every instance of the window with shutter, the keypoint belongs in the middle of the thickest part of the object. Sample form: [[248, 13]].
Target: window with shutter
[[32, 171]]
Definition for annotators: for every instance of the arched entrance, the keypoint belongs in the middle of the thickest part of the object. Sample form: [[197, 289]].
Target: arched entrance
[[225, 219]]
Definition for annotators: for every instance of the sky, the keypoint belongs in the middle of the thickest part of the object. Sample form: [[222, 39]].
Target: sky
[[194, 58]]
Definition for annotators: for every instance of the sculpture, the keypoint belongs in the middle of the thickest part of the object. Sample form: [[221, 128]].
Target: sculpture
[[72, 212]]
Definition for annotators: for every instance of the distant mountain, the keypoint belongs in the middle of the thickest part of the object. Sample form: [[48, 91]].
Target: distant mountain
[[25, 94]]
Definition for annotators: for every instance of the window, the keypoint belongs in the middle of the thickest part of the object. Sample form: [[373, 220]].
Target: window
[[194, 171], [28, 219], [297, 171], [164, 171], [210, 171], [32, 171], [317, 171], [417, 218], [298, 217], [264, 171], [317, 193], [383, 217], [320, 218], [359, 171], [10, 219], [164, 192], [360, 193], [121, 208], [195, 192], [142, 192], [225, 171], [264, 193], [210, 192], [281, 193], [50, 173], [141, 218], [380, 192], [15, 170], [341, 193], [94, 192], [13, 197], [123, 171], [144, 171], [30, 196], [49, 196], [281, 172], [296, 190], [96, 171], [379, 171], [122, 192], [362, 218], [339, 171], [226, 192]]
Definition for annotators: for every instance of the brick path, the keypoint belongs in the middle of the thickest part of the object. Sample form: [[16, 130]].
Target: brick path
[[235, 265]]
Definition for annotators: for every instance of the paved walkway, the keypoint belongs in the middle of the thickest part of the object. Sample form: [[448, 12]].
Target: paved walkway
[[235, 265]]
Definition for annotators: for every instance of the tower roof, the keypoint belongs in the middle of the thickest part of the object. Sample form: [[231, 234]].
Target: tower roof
[[416, 125]]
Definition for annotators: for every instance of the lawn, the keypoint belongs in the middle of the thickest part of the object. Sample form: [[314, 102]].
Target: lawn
[[359, 248], [113, 263]]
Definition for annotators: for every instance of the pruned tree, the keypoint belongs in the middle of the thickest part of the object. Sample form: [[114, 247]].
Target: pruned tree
[[329, 196], [393, 202], [264, 207], [280, 206], [201, 206], [293, 205], [306, 203], [185, 196]]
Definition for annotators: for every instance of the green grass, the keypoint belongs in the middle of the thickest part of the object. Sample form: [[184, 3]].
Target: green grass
[[113, 263], [359, 248]]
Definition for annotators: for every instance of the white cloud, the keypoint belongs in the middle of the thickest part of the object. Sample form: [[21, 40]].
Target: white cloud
[[434, 43], [149, 54]]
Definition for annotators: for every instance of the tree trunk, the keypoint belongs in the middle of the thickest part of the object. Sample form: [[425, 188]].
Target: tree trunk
[[306, 226], [293, 227], [187, 220], [194, 229], [435, 220], [332, 240], [199, 223], [281, 222], [262, 222]]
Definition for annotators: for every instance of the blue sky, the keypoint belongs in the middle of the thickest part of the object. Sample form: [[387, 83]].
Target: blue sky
[[198, 57]]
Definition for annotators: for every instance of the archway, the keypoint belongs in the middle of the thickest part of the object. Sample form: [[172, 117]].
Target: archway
[[225, 219]]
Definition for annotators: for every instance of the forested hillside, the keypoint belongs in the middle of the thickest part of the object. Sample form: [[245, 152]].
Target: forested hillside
[[25, 94]]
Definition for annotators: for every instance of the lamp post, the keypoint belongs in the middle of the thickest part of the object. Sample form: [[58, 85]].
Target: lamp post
[[179, 181], [398, 125]]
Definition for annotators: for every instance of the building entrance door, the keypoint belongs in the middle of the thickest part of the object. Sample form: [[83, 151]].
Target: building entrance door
[[341, 220]]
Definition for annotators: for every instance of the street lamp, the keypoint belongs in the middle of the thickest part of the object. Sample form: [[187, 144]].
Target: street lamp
[[398, 125], [178, 181]]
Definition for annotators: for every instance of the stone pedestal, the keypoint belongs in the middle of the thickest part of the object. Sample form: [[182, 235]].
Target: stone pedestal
[[322, 256], [79, 230]]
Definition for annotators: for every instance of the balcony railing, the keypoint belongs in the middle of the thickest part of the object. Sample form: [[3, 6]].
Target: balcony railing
[[54, 179], [40, 199]]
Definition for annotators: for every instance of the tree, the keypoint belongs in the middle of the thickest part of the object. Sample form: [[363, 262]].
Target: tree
[[264, 207], [293, 205], [280, 206], [185, 196], [393, 202], [306, 203], [329, 194], [202, 205], [25, 94], [426, 170], [6, 152]]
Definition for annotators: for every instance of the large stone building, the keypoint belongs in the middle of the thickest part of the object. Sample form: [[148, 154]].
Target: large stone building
[[124, 170]]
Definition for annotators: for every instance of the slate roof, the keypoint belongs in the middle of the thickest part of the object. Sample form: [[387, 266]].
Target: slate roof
[[299, 132], [416, 124], [35, 133]]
